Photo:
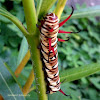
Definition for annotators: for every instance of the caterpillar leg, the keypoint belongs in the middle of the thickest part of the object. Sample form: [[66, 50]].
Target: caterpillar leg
[[61, 40], [60, 24], [61, 31], [48, 57], [39, 46], [39, 26], [47, 92]]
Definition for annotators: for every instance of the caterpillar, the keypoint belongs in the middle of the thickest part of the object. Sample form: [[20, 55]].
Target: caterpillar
[[49, 29]]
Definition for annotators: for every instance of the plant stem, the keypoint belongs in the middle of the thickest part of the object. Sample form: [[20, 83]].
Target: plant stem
[[30, 15], [59, 8], [8, 15], [39, 3], [39, 75], [33, 41], [22, 64], [28, 83], [1, 98]]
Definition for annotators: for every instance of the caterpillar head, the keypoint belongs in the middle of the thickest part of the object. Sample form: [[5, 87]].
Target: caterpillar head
[[51, 16]]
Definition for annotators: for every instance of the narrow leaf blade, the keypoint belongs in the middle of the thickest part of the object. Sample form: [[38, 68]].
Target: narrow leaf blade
[[77, 73], [85, 12]]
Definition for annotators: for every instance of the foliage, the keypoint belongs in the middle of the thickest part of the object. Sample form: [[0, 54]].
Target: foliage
[[10, 87], [82, 49]]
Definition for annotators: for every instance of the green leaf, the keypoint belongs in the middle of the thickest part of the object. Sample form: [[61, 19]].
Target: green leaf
[[95, 81], [32, 94], [75, 94], [9, 89], [46, 5], [6, 14], [2, 0], [85, 12], [1, 43], [77, 73], [93, 94], [23, 50], [12, 73]]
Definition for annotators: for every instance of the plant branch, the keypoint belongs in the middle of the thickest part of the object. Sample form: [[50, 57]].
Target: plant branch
[[6, 14], [1, 98], [59, 8], [39, 3], [22, 64], [29, 82]]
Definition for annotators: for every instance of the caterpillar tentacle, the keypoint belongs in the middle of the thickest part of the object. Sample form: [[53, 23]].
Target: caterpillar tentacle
[[61, 40], [63, 22], [61, 31]]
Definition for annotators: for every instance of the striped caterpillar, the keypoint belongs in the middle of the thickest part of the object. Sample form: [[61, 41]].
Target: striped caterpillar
[[49, 29]]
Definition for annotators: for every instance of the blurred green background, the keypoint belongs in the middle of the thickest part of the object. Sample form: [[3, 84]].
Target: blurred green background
[[82, 48]]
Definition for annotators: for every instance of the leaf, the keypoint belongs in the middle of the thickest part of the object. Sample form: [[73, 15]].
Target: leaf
[[1, 43], [46, 5], [12, 73], [95, 81], [6, 14], [23, 50], [9, 89], [77, 73], [32, 94], [2, 0], [85, 12], [75, 94], [93, 94]]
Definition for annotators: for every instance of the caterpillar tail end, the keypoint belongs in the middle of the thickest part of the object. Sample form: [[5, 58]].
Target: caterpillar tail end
[[64, 93]]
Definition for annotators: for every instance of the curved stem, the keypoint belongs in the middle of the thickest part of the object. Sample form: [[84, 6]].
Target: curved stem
[[6, 14]]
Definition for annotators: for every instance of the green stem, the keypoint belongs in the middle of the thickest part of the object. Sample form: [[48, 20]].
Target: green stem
[[39, 76], [33, 41], [59, 8], [30, 15], [39, 3], [8, 15]]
